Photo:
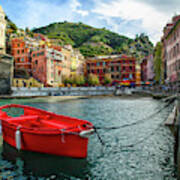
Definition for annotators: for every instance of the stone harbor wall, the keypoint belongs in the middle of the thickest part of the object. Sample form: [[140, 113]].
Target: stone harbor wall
[[6, 73], [63, 91]]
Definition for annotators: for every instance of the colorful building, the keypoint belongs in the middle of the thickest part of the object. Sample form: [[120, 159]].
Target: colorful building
[[119, 67], [138, 74], [29, 82], [150, 68], [47, 66], [2, 31], [77, 63], [66, 66], [171, 51], [21, 53]]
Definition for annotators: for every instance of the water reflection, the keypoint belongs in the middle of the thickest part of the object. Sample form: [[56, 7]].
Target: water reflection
[[43, 165]]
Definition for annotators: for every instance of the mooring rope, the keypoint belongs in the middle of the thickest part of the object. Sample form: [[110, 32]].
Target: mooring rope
[[135, 123]]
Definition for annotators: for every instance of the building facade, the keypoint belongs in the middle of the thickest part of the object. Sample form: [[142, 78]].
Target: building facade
[[47, 66], [144, 70], [150, 68], [2, 31], [171, 51], [119, 67], [21, 53]]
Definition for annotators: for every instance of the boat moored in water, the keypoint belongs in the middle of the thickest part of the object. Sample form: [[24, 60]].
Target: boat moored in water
[[46, 132]]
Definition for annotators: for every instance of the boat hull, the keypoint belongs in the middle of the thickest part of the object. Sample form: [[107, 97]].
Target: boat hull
[[59, 144], [46, 139]]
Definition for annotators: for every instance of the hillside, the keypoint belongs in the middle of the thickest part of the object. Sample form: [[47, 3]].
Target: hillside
[[92, 41]]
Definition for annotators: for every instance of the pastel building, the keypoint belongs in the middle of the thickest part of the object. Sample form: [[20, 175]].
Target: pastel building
[[2, 31], [150, 68], [119, 67], [77, 63], [144, 70], [147, 68], [171, 50], [47, 66]]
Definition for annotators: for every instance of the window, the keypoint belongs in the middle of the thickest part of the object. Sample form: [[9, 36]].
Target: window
[[112, 69], [18, 51], [98, 71], [36, 62], [112, 76], [23, 51], [104, 64], [22, 59], [98, 64]]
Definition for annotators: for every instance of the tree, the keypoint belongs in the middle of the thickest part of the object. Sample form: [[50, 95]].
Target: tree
[[93, 80], [158, 61], [107, 79]]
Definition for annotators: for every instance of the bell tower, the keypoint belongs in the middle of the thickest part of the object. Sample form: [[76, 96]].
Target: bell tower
[[2, 31]]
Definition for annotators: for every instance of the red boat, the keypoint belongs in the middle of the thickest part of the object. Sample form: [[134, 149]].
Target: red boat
[[45, 132]]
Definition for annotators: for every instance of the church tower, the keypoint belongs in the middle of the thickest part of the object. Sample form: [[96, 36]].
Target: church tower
[[2, 31]]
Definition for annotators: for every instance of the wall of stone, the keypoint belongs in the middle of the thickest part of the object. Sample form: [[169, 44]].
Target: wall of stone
[[63, 91], [5, 76]]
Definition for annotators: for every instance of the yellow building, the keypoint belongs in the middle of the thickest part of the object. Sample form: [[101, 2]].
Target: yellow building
[[30, 82], [2, 31], [138, 74], [66, 64]]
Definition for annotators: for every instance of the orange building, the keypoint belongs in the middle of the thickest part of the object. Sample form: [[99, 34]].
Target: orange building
[[21, 55], [120, 67]]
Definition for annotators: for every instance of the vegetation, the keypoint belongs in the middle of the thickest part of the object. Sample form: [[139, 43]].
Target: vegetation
[[92, 41], [107, 79], [11, 26], [74, 80], [93, 80], [158, 62]]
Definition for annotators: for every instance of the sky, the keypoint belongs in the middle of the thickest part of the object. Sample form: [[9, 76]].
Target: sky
[[126, 17]]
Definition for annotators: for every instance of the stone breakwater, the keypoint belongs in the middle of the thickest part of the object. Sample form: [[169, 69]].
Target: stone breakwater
[[62, 91]]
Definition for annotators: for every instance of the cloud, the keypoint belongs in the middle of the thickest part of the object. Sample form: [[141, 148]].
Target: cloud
[[150, 20], [75, 4], [40, 13]]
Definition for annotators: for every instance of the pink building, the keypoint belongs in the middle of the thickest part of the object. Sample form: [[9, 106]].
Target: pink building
[[171, 50], [144, 70], [150, 68], [47, 66]]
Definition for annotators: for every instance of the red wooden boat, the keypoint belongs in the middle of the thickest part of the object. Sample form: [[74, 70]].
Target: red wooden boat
[[46, 132]]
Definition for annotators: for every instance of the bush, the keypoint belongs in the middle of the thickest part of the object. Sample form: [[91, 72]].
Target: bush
[[74, 79], [93, 79], [107, 79]]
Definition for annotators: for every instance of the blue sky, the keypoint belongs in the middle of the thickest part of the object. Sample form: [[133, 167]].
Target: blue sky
[[126, 17]]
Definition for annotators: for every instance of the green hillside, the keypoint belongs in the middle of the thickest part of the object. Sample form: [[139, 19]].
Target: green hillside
[[92, 41]]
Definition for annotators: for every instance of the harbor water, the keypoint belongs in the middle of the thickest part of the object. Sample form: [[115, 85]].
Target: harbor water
[[143, 151]]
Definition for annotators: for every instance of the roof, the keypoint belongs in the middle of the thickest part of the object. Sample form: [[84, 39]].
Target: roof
[[110, 57]]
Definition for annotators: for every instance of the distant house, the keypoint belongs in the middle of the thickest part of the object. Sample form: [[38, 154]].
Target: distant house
[[171, 51]]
